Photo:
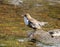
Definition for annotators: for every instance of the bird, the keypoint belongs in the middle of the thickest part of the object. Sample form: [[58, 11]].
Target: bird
[[33, 23]]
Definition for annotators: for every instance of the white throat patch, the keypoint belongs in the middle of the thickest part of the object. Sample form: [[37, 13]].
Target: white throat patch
[[26, 21]]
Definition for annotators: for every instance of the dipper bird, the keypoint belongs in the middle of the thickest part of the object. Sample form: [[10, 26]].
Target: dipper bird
[[32, 23]]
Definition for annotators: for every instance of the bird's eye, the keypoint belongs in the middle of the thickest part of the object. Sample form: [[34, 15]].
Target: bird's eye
[[24, 15]]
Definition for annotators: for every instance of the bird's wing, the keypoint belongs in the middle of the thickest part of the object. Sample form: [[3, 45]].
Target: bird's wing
[[38, 22], [32, 20], [34, 23], [42, 23], [31, 23]]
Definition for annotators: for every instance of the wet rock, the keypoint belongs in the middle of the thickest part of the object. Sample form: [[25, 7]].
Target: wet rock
[[45, 37], [55, 32], [15, 2], [22, 40]]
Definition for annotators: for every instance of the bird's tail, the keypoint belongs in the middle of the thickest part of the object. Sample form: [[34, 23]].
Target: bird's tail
[[43, 23]]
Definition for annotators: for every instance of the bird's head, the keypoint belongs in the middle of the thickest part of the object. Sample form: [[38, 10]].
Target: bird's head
[[26, 15]]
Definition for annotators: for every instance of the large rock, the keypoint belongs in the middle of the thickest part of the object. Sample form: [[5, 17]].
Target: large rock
[[45, 36]]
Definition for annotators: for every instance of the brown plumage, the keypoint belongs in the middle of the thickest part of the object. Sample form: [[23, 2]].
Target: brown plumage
[[31, 22]]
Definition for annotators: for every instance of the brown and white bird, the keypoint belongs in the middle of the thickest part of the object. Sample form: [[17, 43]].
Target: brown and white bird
[[31, 22]]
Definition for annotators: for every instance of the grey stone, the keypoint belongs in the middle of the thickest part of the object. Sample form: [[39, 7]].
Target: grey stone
[[45, 36], [15, 2]]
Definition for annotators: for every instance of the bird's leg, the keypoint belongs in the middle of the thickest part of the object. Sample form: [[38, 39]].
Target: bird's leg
[[32, 33]]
